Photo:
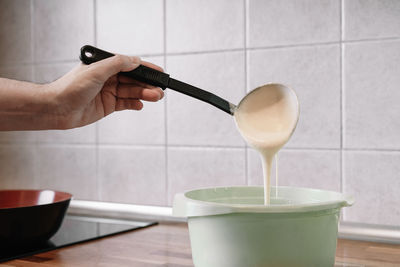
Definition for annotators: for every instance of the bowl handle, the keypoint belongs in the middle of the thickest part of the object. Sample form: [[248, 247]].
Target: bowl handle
[[349, 201], [179, 205]]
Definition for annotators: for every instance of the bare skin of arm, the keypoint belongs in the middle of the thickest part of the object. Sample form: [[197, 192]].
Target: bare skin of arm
[[82, 96]]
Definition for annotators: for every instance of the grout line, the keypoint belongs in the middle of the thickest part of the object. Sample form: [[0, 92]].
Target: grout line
[[246, 167], [368, 40], [342, 20], [19, 144], [164, 28], [341, 79], [204, 52], [144, 146], [283, 46], [204, 146], [95, 22], [97, 162], [342, 184], [32, 46], [27, 63], [341, 93], [165, 103], [169, 146], [312, 148], [36, 175], [97, 150], [35, 146]]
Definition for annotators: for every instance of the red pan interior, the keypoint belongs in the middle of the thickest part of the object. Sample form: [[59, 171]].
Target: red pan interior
[[27, 198], [30, 217]]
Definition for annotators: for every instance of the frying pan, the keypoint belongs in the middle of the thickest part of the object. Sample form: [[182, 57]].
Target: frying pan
[[29, 217]]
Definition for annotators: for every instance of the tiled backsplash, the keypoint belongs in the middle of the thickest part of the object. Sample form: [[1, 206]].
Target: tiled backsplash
[[341, 57]]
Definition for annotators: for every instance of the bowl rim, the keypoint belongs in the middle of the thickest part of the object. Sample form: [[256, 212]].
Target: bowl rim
[[186, 206], [64, 197]]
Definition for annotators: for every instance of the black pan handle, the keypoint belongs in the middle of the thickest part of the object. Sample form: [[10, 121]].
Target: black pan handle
[[91, 54]]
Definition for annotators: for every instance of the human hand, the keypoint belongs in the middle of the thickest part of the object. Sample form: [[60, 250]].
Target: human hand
[[90, 92]]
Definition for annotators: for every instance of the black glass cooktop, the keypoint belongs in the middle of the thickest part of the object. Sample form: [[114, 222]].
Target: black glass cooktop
[[74, 230]]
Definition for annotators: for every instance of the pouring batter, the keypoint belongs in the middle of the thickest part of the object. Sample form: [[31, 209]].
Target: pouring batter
[[266, 118]]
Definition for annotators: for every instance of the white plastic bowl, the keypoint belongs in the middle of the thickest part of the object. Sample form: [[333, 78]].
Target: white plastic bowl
[[230, 226]]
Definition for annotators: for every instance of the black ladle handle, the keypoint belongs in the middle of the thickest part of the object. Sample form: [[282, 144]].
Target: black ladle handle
[[91, 54]]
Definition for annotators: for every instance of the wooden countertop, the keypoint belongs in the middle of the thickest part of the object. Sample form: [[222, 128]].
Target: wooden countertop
[[168, 244]]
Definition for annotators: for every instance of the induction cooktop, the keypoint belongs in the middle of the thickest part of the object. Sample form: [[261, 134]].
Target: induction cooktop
[[74, 230]]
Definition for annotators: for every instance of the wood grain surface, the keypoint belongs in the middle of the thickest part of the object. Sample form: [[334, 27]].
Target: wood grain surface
[[168, 244]]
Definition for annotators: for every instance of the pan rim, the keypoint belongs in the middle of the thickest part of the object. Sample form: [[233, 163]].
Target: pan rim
[[62, 197]]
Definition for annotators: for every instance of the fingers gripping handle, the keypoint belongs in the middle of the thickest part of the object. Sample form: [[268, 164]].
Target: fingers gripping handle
[[91, 54]]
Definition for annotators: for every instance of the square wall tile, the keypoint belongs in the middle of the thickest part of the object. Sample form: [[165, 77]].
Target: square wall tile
[[67, 168], [365, 19], [276, 22], [130, 27], [61, 28], [15, 31], [300, 168], [314, 74], [204, 25], [47, 73], [193, 122], [133, 175], [157, 60], [373, 179], [143, 127], [18, 137], [17, 167], [192, 168], [81, 135], [371, 95], [19, 72]]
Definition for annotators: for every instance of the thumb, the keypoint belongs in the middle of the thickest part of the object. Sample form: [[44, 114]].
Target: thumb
[[104, 69]]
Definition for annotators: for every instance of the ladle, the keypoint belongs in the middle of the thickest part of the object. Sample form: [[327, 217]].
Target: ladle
[[90, 54]]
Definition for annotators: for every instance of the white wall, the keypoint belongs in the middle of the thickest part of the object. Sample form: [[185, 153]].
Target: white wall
[[341, 57]]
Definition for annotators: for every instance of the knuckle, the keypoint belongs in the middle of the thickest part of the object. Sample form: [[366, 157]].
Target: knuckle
[[119, 59], [138, 106]]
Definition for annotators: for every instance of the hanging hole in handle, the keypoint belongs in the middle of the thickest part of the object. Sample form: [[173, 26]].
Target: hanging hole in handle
[[88, 54]]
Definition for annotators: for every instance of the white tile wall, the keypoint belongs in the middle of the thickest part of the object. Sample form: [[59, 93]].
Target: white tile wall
[[318, 169], [373, 179], [372, 95], [348, 91], [204, 25], [130, 27], [133, 175], [145, 127], [191, 168], [69, 169], [314, 73], [18, 137], [275, 22], [82, 135], [20, 72], [15, 31], [46, 73], [17, 168], [192, 122], [61, 28], [370, 19]]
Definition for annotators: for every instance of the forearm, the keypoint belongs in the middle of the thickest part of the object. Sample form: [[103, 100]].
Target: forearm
[[25, 106]]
